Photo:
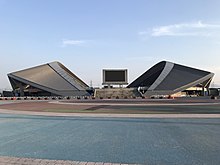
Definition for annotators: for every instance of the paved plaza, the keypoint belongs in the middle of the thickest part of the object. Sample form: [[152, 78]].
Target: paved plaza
[[114, 140], [195, 106], [30, 161], [109, 132]]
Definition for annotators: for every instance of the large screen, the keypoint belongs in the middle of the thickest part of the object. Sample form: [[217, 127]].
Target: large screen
[[114, 76]]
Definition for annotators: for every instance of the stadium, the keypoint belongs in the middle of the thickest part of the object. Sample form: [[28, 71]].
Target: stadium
[[51, 79], [167, 78], [164, 78]]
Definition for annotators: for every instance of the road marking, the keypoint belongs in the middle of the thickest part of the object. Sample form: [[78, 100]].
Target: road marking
[[103, 115], [130, 104]]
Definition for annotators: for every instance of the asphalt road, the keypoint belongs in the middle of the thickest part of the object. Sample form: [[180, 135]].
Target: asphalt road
[[116, 140]]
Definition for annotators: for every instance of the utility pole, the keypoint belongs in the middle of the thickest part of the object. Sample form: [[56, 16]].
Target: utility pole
[[91, 83]]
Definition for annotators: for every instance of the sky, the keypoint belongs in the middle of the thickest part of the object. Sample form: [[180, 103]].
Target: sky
[[90, 35]]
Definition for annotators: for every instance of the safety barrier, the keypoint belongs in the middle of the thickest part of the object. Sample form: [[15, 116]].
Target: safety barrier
[[79, 98]]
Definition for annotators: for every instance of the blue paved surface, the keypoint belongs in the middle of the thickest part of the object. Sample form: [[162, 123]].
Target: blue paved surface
[[145, 141]]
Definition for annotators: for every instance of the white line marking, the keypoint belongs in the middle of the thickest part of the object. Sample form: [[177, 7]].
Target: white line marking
[[130, 104], [103, 115]]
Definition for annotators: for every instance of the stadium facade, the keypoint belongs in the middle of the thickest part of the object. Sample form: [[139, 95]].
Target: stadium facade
[[51, 79], [164, 78], [167, 78]]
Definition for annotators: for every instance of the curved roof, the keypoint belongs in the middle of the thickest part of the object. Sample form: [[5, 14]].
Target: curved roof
[[168, 76], [149, 77], [51, 77]]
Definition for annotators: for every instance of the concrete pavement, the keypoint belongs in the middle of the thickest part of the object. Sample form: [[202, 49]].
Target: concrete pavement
[[116, 140], [107, 115], [5, 160], [30, 138]]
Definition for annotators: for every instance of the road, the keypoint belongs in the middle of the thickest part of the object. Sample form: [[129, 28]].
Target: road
[[115, 140]]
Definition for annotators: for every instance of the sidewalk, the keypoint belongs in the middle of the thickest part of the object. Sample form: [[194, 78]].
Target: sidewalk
[[5, 160], [53, 114]]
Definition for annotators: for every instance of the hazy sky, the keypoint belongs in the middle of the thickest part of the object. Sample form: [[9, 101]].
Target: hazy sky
[[89, 35]]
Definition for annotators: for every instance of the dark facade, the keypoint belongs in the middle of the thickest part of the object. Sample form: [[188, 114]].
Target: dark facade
[[170, 78]]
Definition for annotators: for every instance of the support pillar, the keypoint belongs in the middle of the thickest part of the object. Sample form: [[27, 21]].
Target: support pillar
[[21, 90]]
